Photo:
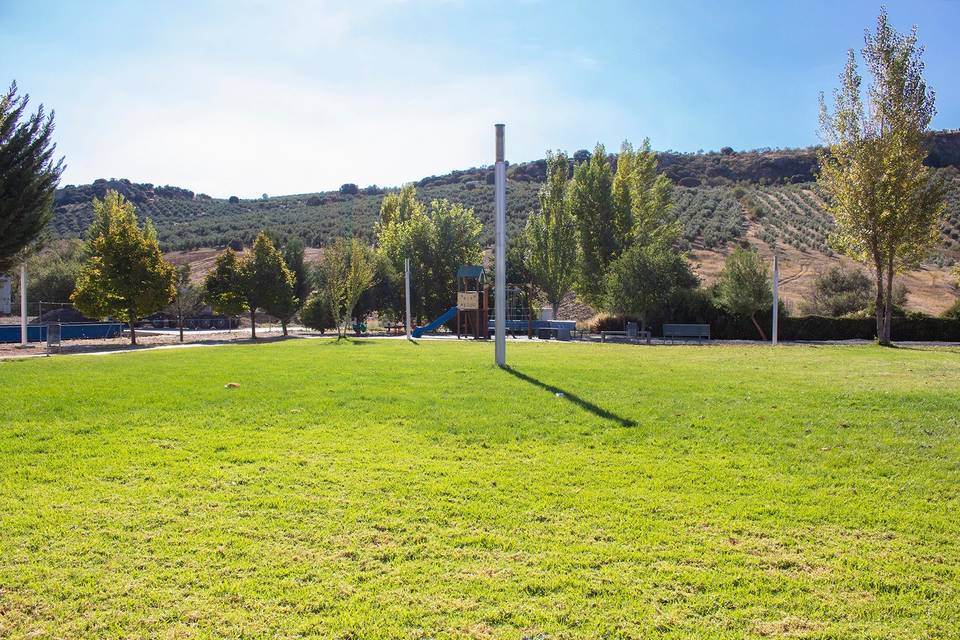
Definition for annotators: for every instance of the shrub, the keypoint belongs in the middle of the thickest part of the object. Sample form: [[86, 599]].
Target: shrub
[[349, 189], [234, 200]]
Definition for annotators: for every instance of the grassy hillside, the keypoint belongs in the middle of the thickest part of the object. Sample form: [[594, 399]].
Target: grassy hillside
[[381, 489], [719, 198]]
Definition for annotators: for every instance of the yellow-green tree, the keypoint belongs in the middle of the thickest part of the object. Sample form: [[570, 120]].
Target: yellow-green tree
[[551, 236], [744, 286], [125, 276], [345, 271], [884, 201]]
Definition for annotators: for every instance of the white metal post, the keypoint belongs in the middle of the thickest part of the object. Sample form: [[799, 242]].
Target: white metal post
[[776, 298], [23, 305], [406, 277], [500, 258]]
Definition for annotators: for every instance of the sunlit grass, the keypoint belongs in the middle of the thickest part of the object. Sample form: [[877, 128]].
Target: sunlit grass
[[384, 489]]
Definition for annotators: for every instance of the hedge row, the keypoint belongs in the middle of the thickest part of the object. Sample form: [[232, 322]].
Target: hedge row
[[725, 327]]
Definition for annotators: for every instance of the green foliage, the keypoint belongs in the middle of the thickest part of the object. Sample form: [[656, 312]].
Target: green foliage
[[551, 236], [125, 275], [885, 202], [28, 175], [266, 283], [223, 285], [838, 292], [293, 255], [591, 204], [953, 312], [52, 272], [347, 269], [642, 198], [647, 278], [743, 287], [317, 313], [437, 242]]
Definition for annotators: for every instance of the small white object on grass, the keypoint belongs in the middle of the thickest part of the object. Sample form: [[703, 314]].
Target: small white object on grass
[[559, 394]]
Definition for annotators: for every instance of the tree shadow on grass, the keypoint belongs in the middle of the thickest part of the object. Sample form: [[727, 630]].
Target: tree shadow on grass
[[586, 405]]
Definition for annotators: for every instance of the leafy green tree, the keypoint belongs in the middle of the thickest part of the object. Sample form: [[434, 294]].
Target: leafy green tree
[[317, 313], [52, 272], [591, 204], [345, 271], [125, 276], [293, 256], [223, 286], [437, 242], [642, 198], [647, 278], [551, 235], [744, 286], [838, 292], [187, 297], [884, 201], [28, 175], [266, 283]]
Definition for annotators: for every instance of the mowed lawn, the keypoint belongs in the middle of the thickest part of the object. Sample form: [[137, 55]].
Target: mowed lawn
[[380, 489]]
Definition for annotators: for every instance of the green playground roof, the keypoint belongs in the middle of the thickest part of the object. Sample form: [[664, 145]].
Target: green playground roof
[[471, 271]]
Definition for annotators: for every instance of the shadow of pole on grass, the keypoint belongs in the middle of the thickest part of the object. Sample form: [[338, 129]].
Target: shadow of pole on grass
[[586, 405]]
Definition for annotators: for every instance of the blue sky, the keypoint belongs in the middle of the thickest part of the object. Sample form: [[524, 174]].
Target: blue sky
[[240, 97]]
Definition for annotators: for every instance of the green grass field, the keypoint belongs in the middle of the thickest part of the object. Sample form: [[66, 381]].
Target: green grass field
[[379, 489]]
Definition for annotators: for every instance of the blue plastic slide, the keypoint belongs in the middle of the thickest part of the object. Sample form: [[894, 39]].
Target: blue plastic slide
[[446, 317]]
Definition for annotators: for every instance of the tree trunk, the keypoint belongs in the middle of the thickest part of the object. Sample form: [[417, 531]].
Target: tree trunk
[[880, 302], [131, 319], [253, 324], [283, 324], [556, 309], [753, 318], [888, 312], [180, 323]]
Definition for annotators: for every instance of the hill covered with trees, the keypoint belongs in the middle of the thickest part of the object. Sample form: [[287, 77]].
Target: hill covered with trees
[[720, 198]]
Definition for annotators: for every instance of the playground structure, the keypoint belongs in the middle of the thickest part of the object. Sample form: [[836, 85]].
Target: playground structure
[[472, 303], [474, 315]]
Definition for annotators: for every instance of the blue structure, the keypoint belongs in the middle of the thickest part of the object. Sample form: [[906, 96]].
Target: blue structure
[[433, 326], [38, 332]]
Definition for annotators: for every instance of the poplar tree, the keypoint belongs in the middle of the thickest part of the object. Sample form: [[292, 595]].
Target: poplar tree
[[551, 235], [28, 175], [125, 276], [591, 204], [884, 201]]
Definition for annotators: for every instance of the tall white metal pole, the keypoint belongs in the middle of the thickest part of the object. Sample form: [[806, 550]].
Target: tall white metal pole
[[776, 298], [23, 305], [406, 277], [500, 257]]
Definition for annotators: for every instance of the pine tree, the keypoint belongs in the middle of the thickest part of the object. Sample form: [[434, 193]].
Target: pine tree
[[125, 276], [885, 202], [28, 175]]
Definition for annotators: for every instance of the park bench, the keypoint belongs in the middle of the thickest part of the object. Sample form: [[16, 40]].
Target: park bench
[[632, 334], [673, 331], [545, 333]]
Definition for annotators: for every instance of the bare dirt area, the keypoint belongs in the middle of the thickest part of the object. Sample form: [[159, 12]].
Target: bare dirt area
[[929, 289], [201, 261]]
